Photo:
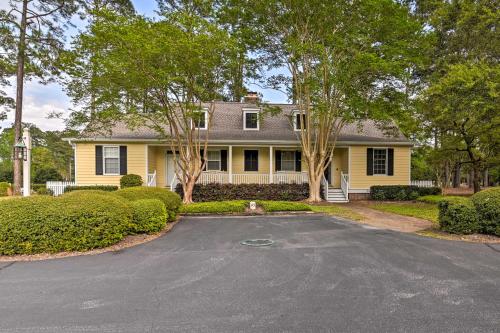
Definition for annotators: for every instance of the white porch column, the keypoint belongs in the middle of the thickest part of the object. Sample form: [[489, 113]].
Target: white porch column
[[230, 164], [271, 164]]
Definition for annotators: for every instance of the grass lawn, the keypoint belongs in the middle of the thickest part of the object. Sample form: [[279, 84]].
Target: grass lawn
[[435, 199], [336, 210], [421, 210], [215, 207]]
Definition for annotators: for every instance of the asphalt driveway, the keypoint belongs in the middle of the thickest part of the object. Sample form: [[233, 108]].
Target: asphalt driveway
[[321, 275]]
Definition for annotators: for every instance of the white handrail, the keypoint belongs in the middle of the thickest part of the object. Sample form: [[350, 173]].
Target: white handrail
[[152, 179], [324, 182], [344, 184], [173, 183]]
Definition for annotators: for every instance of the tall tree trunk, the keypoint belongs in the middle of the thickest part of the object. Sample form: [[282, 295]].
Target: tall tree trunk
[[19, 96], [456, 175], [314, 189], [446, 174], [476, 180], [486, 182], [188, 191]]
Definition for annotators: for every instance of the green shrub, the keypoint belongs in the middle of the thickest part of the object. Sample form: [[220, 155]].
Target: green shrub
[[487, 204], [107, 188], [401, 192], [44, 191], [215, 207], [130, 181], [458, 216], [222, 192], [77, 222], [171, 200], [283, 206], [4, 189], [149, 215], [46, 174], [435, 199]]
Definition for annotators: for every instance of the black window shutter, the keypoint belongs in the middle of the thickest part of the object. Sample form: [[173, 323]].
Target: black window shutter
[[277, 160], [369, 161], [202, 154], [123, 160], [223, 160], [390, 162], [298, 160], [98, 160]]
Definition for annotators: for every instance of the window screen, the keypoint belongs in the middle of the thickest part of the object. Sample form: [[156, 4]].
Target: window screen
[[288, 161], [213, 160]]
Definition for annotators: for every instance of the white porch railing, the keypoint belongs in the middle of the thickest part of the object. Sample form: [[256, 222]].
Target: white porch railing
[[152, 179], [58, 187], [422, 183], [290, 177], [251, 178], [344, 184], [213, 177], [324, 183]]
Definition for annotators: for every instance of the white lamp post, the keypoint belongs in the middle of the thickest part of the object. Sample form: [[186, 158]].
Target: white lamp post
[[22, 151]]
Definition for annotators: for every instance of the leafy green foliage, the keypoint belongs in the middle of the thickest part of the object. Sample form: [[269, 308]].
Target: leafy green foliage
[[44, 175], [487, 204], [171, 200], [130, 180], [78, 222], [107, 188], [283, 206], [401, 192], [149, 215], [215, 207], [221, 192], [434, 199], [458, 216], [4, 189]]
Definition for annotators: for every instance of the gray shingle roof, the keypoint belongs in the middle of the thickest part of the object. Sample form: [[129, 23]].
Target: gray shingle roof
[[227, 125]]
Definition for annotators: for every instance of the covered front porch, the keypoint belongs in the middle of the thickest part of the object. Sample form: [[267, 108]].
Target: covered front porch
[[249, 164]]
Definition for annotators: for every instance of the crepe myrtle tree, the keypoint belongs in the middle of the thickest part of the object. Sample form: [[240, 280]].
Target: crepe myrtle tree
[[163, 74], [345, 61]]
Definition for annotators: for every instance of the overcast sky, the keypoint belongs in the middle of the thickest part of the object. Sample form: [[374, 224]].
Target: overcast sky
[[41, 100]]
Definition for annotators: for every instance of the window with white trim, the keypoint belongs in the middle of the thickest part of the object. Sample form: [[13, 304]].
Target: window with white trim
[[251, 120], [111, 160], [379, 161], [213, 160], [287, 160], [200, 119], [298, 119]]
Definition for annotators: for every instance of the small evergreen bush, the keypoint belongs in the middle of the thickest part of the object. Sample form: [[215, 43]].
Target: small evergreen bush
[[171, 200], [149, 215], [107, 188], [4, 189], [216, 207], [130, 181], [458, 216], [487, 204], [401, 192]]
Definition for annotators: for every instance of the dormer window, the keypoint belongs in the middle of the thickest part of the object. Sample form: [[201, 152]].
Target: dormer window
[[251, 120], [200, 119], [299, 119]]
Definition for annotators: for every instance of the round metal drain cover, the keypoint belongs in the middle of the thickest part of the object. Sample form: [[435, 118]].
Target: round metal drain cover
[[257, 242]]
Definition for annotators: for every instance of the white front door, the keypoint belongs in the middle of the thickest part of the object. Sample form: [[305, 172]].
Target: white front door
[[170, 172]]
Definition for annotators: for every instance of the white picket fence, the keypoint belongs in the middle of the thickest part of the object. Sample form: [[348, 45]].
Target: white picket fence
[[423, 183], [58, 187]]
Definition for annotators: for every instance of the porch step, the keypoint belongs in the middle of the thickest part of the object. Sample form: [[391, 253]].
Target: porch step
[[336, 195]]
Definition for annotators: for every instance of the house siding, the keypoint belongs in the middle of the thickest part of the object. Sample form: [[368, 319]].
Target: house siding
[[358, 178], [85, 164]]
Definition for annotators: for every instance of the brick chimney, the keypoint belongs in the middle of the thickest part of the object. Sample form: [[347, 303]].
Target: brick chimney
[[251, 97]]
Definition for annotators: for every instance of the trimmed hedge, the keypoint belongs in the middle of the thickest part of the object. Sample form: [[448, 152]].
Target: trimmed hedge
[[78, 222], [487, 204], [107, 188], [458, 216], [130, 181], [283, 206], [222, 192], [149, 215], [171, 200], [401, 192], [4, 189], [235, 206]]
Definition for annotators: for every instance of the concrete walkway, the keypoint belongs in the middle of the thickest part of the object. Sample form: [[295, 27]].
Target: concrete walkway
[[387, 220]]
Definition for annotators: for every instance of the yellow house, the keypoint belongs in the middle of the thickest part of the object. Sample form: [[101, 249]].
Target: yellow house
[[248, 147]]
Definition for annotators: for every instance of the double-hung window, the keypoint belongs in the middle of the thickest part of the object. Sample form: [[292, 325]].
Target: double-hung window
[[379, 161], [287, 160], [111, 160], [251, 120], [213, 160], [251, 160]]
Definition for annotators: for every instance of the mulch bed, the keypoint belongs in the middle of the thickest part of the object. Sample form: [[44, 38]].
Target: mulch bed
[[128, 241]]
